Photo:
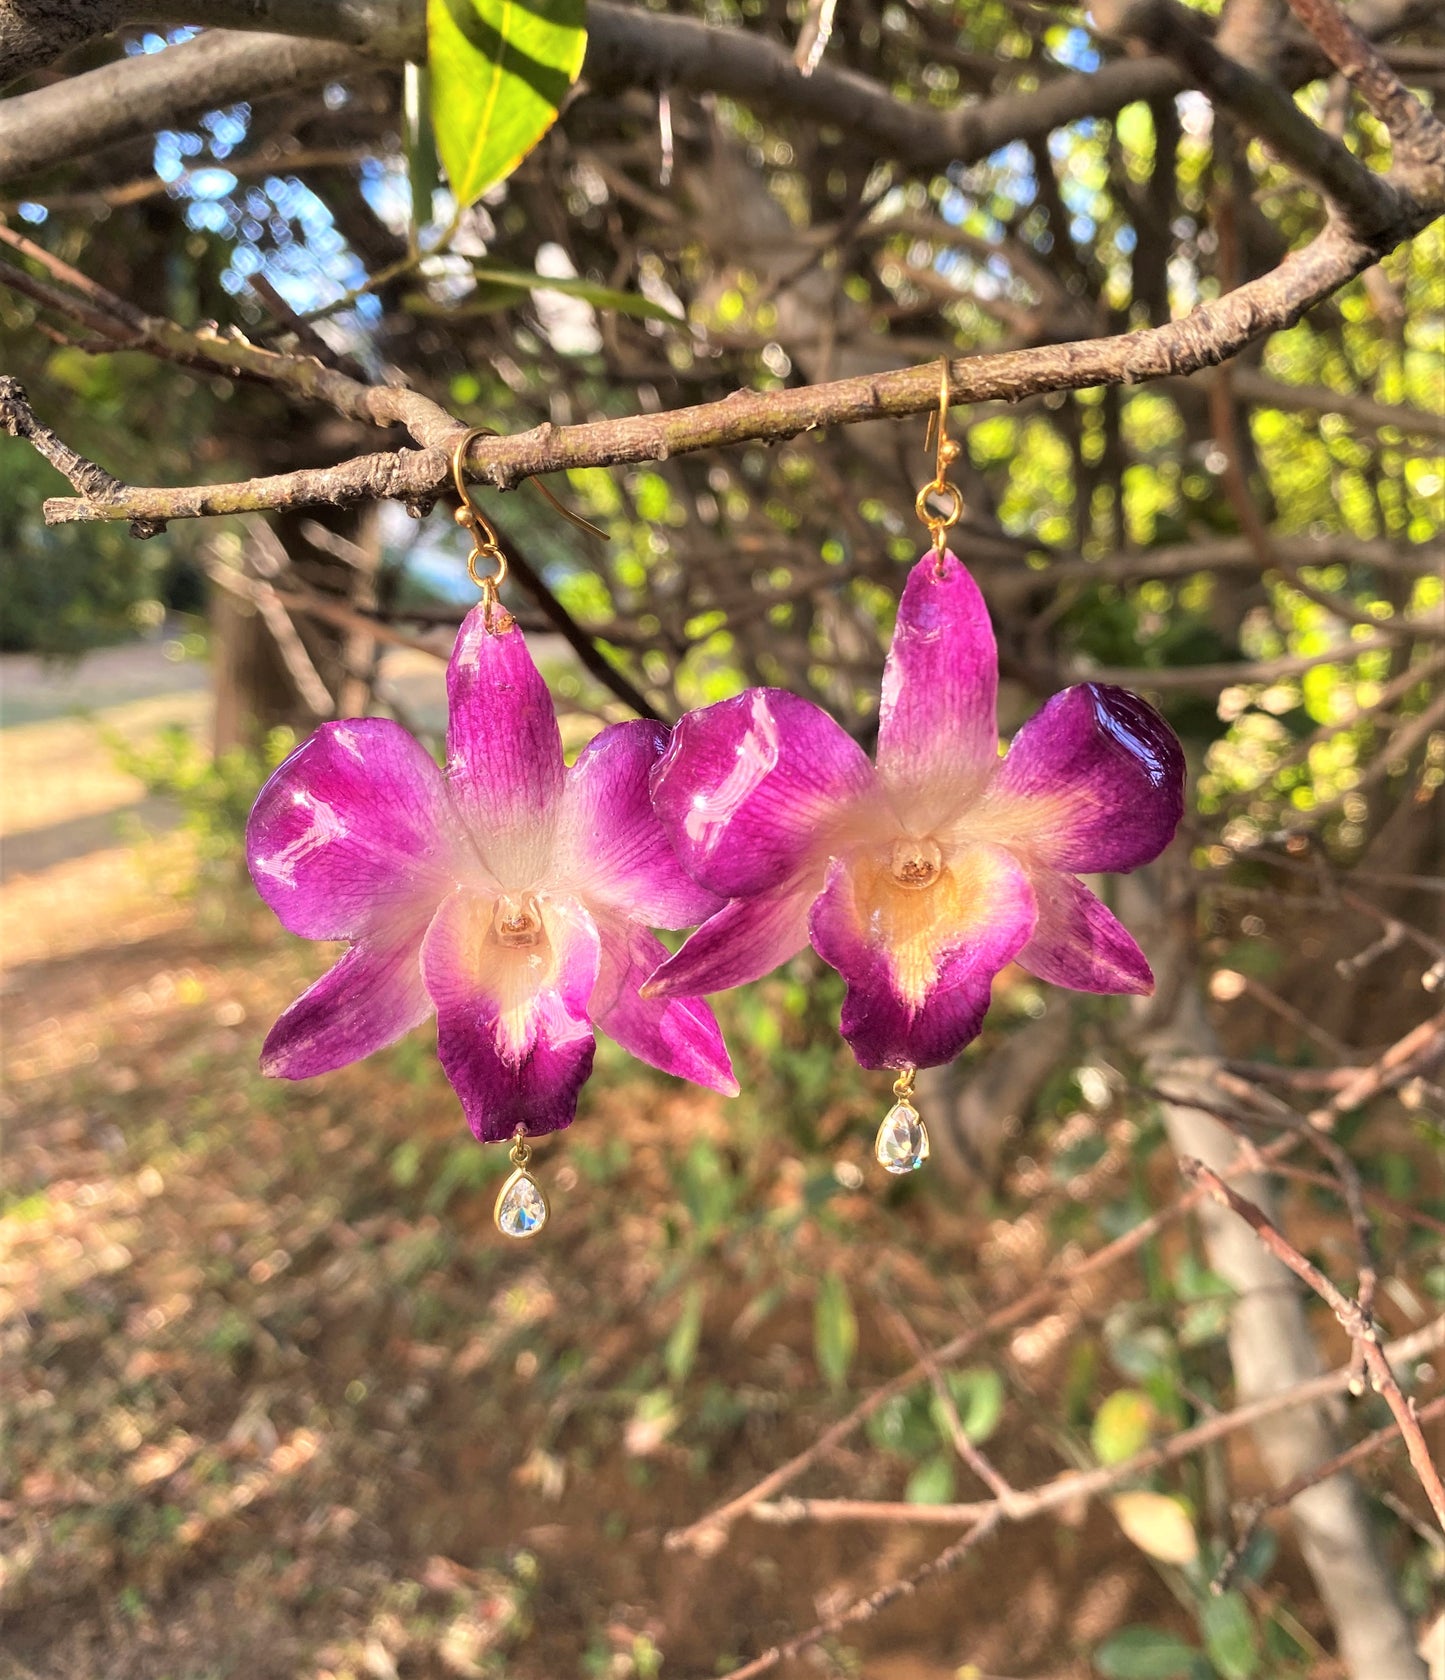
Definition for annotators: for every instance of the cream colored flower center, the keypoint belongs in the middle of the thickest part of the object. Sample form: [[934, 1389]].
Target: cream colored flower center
[[915, 864], [517, 922]]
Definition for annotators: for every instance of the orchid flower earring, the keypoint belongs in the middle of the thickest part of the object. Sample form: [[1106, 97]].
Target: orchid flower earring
[[509, 894], [922, 878]]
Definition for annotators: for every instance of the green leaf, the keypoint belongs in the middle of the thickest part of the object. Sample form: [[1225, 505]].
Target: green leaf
[[1230, 1636], [420, 143], [681, 1349], [905, 1425], [1122, 1426], [500, 288], [1144, 1653], [932, 1482], [835, 1330], [978, 1399], [500, 70]]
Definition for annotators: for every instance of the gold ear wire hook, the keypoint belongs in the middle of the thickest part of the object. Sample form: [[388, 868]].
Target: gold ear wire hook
[[485, 543], [940, 486]]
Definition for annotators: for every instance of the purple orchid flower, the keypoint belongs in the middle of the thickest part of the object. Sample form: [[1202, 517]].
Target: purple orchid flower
[[923, 878], [510, 895]]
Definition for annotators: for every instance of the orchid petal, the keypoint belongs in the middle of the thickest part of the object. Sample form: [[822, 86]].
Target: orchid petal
[[1093, 782], [937, 719], [366, 1001], [1078, 942], [746, 939], [352, 829], [679, 1035], [504, 750], [920, 963], [749, 790], [612, 848], [512, 1028]]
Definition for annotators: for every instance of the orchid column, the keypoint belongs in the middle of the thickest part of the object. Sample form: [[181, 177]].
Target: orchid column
[[919, 879]]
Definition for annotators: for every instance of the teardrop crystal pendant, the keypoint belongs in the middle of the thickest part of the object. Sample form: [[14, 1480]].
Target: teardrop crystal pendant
[[521, 1209], [902, 1142]]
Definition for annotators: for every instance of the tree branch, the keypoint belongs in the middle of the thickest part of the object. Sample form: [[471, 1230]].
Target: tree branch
[[1418, 135], [1260, 389], [1211, 334], [1353, 1319], [627, 47], [1023, 1504], [1368, 202]]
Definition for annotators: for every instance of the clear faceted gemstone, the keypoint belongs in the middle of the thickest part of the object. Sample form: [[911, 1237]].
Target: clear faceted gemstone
[[902, 1143], [521, 1207]]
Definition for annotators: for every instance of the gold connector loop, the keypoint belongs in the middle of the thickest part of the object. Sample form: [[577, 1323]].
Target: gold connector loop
[[939, 504], [486, 546]]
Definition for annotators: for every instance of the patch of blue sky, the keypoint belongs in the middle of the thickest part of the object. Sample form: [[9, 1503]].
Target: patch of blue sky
[[386, 188], [151, 42], [1063, 140], [209, 216], [1126, 239], [33, 213], [440, 571], [210, 181], [227, 128], [1075, 49], [278, 228]]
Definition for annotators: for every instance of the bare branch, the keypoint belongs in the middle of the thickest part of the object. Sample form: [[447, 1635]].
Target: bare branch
[[1211, 678], [627, 47], [1074, 1485], [1256, 387], [1353, 1319], [865, 1608], [1362, 1449], [1214, 332], [1367, 201], [1418, 135]]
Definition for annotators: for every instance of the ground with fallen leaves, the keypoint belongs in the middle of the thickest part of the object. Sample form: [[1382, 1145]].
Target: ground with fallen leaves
[[280, 1402]]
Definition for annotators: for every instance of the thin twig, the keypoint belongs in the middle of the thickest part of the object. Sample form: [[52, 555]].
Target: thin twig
[[708, 1533], [1356, 1323], [1074, 1485], [1256, 1510], [996, 1484], [1214, 332], [865, 1608]]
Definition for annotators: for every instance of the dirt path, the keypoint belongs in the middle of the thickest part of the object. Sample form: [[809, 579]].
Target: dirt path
[[280, 1403], [68, 814]]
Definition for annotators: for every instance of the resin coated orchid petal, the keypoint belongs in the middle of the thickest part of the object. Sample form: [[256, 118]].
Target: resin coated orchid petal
[[366, 1001], [750, 790], [946, 867], [352, 829], [1079, 942], [937, 720], [1092, 782], [611, 845], [746, 939], [511, 979], [920, 959], [471, 893], [504, 750], [679, 1035]]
